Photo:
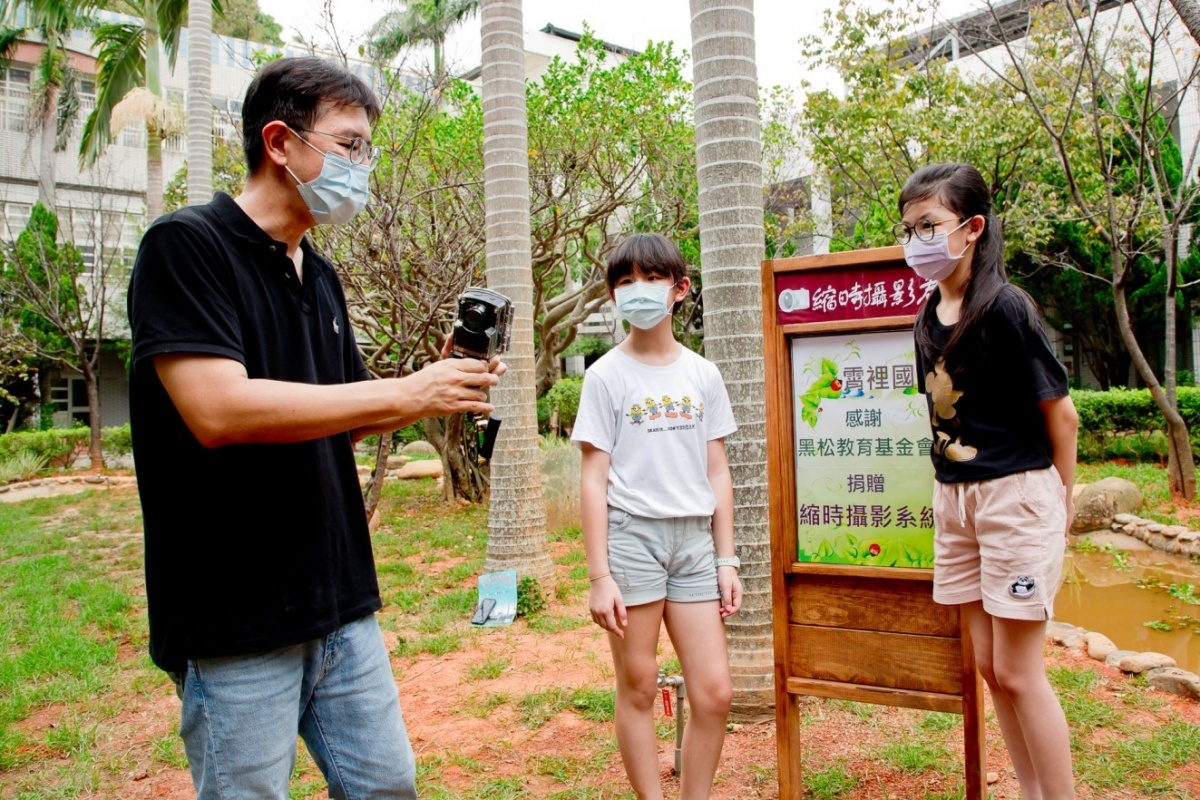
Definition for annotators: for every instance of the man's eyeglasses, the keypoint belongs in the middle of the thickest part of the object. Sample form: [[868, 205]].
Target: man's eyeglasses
[[923, 229], [361, 151]]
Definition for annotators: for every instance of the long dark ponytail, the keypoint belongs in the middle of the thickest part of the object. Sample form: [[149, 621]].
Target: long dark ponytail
[[962, 190]]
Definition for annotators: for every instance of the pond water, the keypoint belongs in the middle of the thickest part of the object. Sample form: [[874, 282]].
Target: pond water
[[1115, 592]]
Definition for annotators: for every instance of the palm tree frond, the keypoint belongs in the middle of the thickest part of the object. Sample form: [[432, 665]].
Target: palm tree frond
[[48, 74], [121, 63], [68, 108], [171, 16], [9, 39], [418, 22]]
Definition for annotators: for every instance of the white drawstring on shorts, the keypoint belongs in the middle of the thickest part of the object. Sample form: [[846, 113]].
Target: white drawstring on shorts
[[961, 489]]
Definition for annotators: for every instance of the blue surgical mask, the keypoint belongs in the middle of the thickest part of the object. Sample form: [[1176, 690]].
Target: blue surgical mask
[[643, 304], [338, 192]]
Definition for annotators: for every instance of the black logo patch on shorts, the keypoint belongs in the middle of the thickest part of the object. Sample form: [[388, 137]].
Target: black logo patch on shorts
[[1022, 588]]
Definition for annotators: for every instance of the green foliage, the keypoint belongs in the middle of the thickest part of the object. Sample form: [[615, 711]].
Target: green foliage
[[900, 112], [1184, 592], [56, 446], [1126, 423], [598, 705], [229, 174], [60, 446], [21, 466], [490, 668], [563, 397], [1144, 761], [419, 22], [41, 275], [540, 707], [587, 346], [829, 783], [915, 757], [243, 19], [530, 599], [117, 441], [63, 617]]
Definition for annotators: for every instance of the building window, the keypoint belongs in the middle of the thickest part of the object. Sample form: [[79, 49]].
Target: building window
[[14, 98], [16, 217], [132, 135]]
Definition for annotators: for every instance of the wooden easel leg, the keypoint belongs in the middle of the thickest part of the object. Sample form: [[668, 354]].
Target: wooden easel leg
[[787, 738], [974, 747]]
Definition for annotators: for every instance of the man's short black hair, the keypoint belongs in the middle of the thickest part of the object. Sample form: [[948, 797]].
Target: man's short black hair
[[296, 91]]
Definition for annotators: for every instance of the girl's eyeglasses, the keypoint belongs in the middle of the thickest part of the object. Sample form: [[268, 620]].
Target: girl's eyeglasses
[[923, 229]]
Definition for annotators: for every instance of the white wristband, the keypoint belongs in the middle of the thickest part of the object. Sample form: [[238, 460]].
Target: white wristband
[[731, 561]]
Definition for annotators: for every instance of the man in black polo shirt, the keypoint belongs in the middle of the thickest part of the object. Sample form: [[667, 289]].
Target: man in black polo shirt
[[247, 391]]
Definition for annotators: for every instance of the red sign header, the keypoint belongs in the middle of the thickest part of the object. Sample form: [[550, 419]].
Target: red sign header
[[838, 294]]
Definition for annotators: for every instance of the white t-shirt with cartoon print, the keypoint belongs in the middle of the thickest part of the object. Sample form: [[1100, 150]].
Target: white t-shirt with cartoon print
[[655, 423]]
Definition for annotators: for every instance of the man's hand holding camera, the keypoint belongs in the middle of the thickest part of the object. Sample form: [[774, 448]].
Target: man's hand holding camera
[[470, 366], [459, 385]]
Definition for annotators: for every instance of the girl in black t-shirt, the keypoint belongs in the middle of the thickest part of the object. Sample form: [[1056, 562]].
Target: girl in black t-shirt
[[1004, 432]]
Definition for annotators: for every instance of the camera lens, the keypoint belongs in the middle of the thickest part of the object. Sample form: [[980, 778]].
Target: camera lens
[[475, 317]]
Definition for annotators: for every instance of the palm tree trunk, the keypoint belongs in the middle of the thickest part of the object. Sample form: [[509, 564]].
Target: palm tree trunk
[[154, 174], [47, 195], [199, 103], [154, 165], [729, 164], [516, 516]]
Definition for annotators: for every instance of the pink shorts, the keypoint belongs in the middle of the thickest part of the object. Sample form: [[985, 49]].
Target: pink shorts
[[1001, 541]]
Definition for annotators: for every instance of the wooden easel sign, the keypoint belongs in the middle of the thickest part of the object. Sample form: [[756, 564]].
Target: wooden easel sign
[[851, 492]]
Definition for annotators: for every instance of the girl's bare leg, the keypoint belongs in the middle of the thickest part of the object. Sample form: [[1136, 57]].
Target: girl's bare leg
[[1010, 658], [698, 634], [635, 659]]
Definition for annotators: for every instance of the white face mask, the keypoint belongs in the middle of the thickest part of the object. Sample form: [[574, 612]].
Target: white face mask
[[933, 260], [643, 304], [338, 192]]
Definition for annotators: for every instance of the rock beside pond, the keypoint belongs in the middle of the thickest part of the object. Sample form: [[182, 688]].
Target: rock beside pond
[[1144, 662], [1175, 680], [1159, 670], [1099, 646], [1114, 658], [1177, 539], [1067, 635], [1098, 504]]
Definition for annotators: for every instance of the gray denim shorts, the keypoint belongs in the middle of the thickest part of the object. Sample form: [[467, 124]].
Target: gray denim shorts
[[653, 559]]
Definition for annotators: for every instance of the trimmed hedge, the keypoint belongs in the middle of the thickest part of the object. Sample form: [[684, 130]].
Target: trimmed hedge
[[60, 446], [1126, 423]]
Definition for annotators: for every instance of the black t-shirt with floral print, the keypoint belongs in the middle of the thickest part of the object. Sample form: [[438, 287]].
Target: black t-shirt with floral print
[[986, 422]]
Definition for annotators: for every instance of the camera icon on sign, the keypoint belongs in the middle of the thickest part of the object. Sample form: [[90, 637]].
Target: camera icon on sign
[[794, 300]]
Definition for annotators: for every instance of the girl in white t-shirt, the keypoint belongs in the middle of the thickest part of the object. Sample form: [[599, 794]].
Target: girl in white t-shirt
[[657, 504]]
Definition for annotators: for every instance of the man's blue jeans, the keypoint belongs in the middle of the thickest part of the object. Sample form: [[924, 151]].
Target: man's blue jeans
[[242, 714]]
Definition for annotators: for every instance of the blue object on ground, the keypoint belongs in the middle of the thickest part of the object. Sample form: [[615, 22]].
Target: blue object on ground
[[501, 589]]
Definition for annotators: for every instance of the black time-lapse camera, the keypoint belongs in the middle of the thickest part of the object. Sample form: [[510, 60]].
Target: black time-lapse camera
[[483, 324], [482, 329]]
